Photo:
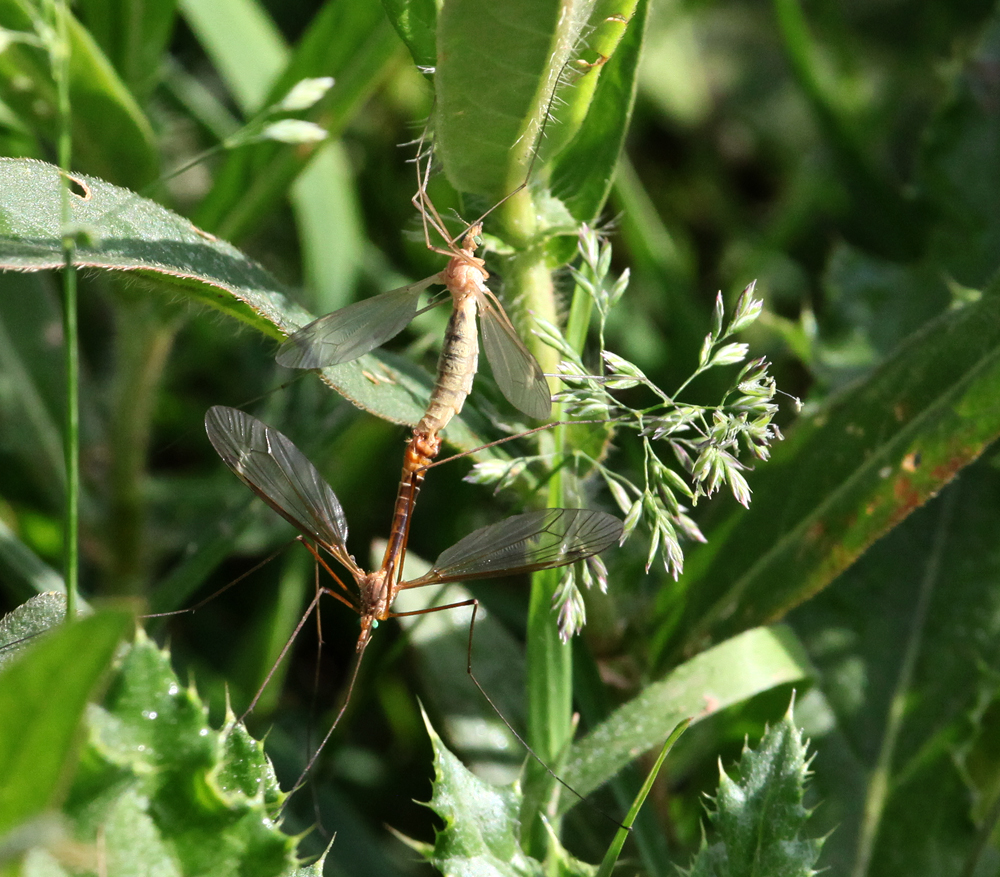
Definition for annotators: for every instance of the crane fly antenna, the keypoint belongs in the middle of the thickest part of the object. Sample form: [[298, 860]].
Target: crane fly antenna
[[510, 438], [225, 587]]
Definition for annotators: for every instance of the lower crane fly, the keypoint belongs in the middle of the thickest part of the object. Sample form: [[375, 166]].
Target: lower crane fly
[[280, 474]]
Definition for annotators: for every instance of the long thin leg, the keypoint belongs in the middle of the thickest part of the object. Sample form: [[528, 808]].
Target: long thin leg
[[350, 691], [314, 707], [284, 650], [428, 212], [336, 721], [250, 572], [468, 668], [319, 559], [509, 438]]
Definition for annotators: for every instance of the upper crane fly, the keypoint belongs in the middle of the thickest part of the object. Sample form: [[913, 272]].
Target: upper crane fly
[[354, 330]]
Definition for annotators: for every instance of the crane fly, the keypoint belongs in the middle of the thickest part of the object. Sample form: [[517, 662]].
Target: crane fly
[[352, 331], [280, 474]]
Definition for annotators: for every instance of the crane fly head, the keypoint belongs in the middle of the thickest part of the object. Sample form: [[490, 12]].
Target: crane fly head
[[473, 239]]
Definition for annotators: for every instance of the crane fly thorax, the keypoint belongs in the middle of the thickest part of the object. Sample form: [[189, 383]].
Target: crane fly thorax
[[465, 275], [375, 594], [374, 603]]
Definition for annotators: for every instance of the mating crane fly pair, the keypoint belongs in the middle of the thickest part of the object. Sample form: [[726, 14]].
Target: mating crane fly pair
[[353, 331], [280, 474]]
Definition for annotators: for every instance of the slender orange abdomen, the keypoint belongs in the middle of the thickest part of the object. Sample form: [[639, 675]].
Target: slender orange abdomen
[[420, 451]]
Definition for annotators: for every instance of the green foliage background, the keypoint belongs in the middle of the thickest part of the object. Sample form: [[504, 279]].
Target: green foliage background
[[845, 156]]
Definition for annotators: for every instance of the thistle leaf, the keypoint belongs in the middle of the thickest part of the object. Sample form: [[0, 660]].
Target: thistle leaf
[[758, 816]]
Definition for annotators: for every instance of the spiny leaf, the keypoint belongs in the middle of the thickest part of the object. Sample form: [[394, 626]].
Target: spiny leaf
[[758, 817], [482, 832], [162, 792], [43, 695]]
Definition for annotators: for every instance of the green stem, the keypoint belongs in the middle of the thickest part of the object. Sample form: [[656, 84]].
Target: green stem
[[578, 322], [71, 549], [528, 278], [59, 58], [550, 703], [549, 660]]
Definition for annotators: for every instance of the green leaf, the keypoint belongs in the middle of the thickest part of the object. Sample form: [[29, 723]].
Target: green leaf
[[42, 698], [120, 230], [124, 231], [614, 851], [480, 833], [133, 36], [491, 106], [906, 644], [19, 627], [416, 23], [728, 673], [162, 792], [848, 474], [758, 816], [609, 20], [583, 171]]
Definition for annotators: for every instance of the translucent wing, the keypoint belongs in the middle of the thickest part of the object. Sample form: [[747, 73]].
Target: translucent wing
[[352, 331], [525, 543], [281, 475], [516, 371]]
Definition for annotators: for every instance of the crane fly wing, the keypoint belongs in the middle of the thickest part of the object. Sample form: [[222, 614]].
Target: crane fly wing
[[516, 371], [352, 331], [279, 473], [525, 543]]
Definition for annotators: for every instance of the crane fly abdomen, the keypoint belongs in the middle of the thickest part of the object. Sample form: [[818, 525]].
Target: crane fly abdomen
[[456, 367], [420, 453], [465, 278]]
